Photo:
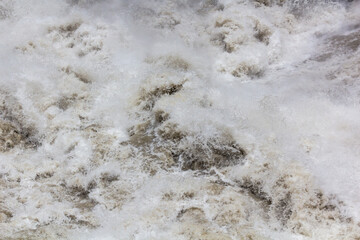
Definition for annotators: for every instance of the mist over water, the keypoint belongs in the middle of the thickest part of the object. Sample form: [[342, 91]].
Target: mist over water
[[180, 119]]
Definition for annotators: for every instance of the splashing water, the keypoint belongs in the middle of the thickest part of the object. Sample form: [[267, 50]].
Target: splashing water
[[179, 119]]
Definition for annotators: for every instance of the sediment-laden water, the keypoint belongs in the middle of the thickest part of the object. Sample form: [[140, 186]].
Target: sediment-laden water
[[179, 119]]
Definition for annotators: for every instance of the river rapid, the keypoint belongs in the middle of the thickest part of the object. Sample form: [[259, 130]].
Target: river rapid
[[179, 119]]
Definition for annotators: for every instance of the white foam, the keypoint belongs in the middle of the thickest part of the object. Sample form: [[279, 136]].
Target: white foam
[[77, 68]]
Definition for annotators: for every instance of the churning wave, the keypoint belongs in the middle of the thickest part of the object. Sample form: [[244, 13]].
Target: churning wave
[[183, 119]]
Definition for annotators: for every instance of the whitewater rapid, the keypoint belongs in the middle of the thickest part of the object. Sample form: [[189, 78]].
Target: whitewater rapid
[[179, 119]]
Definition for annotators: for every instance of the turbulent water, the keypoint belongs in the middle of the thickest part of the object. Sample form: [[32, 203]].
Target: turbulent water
[[179, 119]]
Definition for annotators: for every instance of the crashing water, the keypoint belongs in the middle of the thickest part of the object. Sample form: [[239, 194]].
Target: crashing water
[[186, 119]]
